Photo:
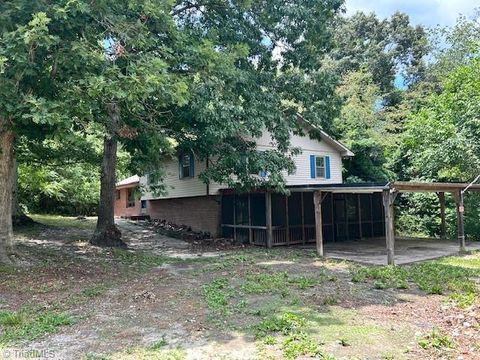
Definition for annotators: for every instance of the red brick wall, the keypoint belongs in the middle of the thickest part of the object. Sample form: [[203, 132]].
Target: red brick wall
[[201, 213], [121, 209]]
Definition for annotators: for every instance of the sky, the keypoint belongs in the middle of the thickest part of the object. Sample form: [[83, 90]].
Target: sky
[[425, 12]]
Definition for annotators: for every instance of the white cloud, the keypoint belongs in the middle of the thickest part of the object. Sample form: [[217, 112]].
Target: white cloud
[[426, 12]]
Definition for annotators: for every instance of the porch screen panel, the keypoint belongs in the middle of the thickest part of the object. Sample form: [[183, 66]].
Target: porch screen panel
[[308, 208], [295, 209], [257, 204], [227, 215], [353, 216], [241, 209], [378, 215], [327, 218], [366, 215], [340, 216], [279, 210]]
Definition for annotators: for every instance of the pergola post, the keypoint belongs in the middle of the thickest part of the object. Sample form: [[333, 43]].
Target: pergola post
[[317, 201], [443, 226], [268, 217], [388, 200], [460, 220]]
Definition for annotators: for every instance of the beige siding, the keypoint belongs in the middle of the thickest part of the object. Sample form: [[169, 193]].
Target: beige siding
[[179, 188], [302, 161]]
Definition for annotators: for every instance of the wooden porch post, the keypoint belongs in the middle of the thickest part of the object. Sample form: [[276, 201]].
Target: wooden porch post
[[303, 218], [460, 221], [250, 232], [443, 225], [268, 217], [317, 200], [287, 221], [388, 199]]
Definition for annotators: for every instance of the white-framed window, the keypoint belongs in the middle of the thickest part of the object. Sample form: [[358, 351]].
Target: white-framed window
[[320, 167], [152, 179], [186, 163]]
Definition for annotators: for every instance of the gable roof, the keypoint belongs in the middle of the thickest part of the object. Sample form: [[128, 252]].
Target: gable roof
[[132, 180], [344, 151]]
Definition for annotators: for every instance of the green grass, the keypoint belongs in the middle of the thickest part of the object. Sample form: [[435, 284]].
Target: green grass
[[453, 276], [29, 324], [64, 221], [285, 324], [159, 344], [217, 294], [266, 283], [300, 344], [94, 290], [137, 259], [304, 282], [6, 269], [435, 340]]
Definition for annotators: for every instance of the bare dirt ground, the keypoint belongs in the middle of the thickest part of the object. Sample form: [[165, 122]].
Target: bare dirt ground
[[167, 299]]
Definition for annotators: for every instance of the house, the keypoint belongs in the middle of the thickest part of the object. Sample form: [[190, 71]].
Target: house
[[127, 201], [261, 217]]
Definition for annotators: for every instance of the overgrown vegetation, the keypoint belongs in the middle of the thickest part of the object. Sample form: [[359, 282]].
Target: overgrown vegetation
[[451, 276], [30, 323]]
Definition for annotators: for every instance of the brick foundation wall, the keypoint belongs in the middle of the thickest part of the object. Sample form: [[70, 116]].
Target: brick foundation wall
[[121, 209], [201, 213]]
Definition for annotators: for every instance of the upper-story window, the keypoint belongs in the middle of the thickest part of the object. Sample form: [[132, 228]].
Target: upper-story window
[[186, 166], [320, 167]]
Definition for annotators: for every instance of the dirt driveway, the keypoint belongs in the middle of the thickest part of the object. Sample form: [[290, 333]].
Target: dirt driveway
[[163, 299]]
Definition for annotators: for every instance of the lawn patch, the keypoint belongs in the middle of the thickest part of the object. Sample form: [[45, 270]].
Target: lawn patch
[[266, 283], [29, 324], [137, 259], [436, 340], [453, 276], [217, 294]]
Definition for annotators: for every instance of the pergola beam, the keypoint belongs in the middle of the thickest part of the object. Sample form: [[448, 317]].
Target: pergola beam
[[388, 200], [458, 196]]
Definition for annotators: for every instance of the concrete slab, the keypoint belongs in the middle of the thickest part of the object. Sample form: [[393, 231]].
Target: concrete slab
[[373, 251]]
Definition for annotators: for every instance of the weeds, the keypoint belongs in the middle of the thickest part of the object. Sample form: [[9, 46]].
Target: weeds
[[451, 276], [139, 260], [304, 282], [217, 294], [284, 324], [300, 344], [266, 283], [436, 340], [30, 324]]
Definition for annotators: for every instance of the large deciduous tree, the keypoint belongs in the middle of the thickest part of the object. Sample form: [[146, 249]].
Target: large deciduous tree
[[27, 105], [210, 75]]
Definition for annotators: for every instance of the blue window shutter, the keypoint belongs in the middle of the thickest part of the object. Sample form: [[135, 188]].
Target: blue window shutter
[[312, 166], [327, 167], [192, 165]]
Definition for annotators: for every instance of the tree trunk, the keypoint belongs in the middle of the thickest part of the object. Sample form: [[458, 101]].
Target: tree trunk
[[106, 233], [6, 184], [19, 218]]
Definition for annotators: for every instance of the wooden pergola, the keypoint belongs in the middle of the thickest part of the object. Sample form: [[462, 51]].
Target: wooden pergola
[[390, 192]]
